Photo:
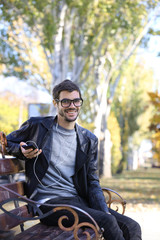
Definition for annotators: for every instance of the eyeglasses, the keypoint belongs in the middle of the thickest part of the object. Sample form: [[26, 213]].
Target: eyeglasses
[[67, 102]]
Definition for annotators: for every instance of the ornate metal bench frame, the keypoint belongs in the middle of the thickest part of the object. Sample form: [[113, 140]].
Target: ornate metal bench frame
[[17, 198]]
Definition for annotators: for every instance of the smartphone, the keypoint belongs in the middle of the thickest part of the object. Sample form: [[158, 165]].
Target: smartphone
[[29, 146]]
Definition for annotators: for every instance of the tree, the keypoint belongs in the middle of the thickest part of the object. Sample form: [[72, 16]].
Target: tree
[[72, 35], [88, 41], [116, 154], [155, 125], [126, 46], [131, 109]]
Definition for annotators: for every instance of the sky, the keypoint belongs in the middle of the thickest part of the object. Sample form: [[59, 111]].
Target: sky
[[152, 60]]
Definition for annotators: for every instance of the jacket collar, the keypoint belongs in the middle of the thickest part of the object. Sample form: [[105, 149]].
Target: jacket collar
[[81, 134], [48, 122], [81, 156], [82, 141]]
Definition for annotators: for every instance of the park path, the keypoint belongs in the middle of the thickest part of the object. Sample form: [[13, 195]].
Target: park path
[[148, 216]]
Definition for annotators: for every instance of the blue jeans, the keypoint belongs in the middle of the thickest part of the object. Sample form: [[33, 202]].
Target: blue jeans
[[116, 226]]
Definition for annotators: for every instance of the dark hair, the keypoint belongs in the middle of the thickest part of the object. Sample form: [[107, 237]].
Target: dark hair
[[66, 85]]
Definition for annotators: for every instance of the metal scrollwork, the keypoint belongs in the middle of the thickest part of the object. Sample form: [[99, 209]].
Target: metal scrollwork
[[76, 225], [85, 224], [56, 207], [65, 217], [116, 199]]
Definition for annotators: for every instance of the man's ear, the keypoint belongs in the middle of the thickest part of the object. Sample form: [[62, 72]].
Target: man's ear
[[54, 103]]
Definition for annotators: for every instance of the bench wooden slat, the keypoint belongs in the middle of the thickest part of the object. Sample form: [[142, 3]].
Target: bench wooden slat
[[9, 222], [16, 187], [41, 231], [9, 166]]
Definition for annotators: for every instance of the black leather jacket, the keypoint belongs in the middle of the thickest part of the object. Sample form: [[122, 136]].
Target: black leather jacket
[[38, 129]]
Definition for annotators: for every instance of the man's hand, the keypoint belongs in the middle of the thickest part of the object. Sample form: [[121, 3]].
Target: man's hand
[[30, 153]]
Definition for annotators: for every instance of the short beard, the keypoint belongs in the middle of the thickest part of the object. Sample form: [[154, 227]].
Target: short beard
[[68, 119]]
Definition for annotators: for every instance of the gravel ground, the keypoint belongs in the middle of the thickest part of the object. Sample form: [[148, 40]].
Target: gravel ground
[[148, 216]]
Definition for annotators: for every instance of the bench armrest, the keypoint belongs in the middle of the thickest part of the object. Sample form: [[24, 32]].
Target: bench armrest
[[114, 200], [21, 214]]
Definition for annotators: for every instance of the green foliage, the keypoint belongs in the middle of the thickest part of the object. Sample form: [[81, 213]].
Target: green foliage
[[11, 59], [9, 113], [45, 49], [114, 129], [117, 22]]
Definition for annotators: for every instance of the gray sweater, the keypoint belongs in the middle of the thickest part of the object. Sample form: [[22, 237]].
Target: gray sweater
[[57, 181]]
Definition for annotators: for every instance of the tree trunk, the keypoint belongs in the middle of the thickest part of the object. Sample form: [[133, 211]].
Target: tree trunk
[[107, 155]]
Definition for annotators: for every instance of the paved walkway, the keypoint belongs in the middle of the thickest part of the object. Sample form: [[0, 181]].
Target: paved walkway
[[148, 216]]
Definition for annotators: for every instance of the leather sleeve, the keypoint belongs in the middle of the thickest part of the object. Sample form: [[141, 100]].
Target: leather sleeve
[[14, 139], [96, 197]]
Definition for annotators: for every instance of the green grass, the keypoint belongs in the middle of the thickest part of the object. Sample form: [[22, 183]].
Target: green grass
[[141, 186]]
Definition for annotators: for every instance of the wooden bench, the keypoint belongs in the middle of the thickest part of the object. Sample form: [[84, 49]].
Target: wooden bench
[[14, 209]]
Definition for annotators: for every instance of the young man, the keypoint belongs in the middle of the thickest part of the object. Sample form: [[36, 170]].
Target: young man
[[62, 169]]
